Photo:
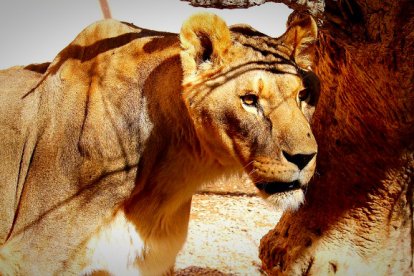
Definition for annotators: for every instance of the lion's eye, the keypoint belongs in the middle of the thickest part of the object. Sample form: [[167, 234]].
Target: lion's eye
[[249, 99], [304, 95]]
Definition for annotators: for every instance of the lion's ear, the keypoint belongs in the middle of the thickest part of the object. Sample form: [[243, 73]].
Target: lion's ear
[[204, 37], [300, 38]]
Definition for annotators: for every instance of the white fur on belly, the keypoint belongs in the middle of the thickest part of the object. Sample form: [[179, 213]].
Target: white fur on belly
[[115, 248]]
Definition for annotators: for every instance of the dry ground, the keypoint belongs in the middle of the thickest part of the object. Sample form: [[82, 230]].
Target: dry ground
[[226, 225]]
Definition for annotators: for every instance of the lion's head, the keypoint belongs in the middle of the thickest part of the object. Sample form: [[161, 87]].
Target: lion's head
[[251, 98]]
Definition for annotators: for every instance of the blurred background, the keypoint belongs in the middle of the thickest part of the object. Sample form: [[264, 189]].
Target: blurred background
[[35, 31]]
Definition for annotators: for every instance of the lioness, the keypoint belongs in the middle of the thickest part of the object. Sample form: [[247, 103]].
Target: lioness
[[102, 153]]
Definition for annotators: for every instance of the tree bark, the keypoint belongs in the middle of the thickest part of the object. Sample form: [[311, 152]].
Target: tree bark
[[358, 215], [314, 7]]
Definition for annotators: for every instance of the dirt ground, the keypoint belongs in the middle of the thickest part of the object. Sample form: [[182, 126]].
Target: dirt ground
[[227, 222]]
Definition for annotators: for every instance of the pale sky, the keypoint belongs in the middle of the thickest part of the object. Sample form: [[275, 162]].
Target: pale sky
[[34, 31]]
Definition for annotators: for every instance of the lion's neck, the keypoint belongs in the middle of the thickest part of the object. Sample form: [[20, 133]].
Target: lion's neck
[[173, 164], [165, 188]]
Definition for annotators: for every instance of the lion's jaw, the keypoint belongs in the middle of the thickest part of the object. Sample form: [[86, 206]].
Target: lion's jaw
[[290, 194]]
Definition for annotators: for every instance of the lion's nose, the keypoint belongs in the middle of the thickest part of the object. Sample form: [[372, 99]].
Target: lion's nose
[[300, 160]]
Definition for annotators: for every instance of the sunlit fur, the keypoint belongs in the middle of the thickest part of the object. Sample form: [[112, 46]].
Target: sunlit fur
[[286, 201], [104, 148]]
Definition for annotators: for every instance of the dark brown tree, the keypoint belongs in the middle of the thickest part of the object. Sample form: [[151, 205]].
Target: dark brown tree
[[358, 215]]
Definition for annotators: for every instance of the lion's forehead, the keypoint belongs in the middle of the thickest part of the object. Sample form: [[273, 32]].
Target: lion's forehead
[[255, 58], [283, 86], [268, 85], [247, 59], [260, 48]]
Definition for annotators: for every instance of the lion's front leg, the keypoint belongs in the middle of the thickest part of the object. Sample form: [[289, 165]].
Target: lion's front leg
[[164, 244], [311, 242], [170, 272], [287, 251]]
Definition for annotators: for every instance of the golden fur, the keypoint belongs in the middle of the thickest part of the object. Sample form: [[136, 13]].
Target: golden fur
[[107, 146]]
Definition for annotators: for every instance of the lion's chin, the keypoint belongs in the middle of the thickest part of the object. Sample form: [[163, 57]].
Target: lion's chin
[[289, 200]]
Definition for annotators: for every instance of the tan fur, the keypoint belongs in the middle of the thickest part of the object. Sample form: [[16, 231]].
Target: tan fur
[[124, 126]]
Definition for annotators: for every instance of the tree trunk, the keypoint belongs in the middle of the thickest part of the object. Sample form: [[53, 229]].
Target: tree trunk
[[358, 216]]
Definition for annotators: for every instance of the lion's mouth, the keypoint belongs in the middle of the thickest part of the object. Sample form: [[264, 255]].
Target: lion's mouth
[[277, 187]]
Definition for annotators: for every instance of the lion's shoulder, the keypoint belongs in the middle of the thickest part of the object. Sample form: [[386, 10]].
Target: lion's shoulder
[[109, 33], [104, 29]]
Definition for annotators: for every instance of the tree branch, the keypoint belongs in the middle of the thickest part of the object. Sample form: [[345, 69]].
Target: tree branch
[[106, 11], [314, 7]]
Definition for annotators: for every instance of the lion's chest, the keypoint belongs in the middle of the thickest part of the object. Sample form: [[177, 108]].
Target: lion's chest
[[117, 248]]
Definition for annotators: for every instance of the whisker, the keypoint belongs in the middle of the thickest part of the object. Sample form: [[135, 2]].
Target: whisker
[[252, 171], [248, 164]]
